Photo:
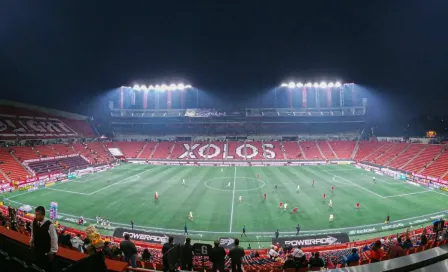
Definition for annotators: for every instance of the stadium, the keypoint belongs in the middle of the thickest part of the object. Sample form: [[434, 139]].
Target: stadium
[[308, 172]]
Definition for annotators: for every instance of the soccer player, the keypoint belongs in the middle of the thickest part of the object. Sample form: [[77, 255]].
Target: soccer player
[[185, 229], [357, 206], [132, 224], [244, 231], [190, 216], [228, 185], [285, 206], [258, 175], [387, 219], [331, 218], [275, 188], [240, 199], [98, 220], [281, 205], [313, 182], [265, 196], [332, 188], [330, 204], [183, 181], [156, 196], [294, 210], [298, 188], [324, 196], [222, 170], [373, 179], [298, 229]]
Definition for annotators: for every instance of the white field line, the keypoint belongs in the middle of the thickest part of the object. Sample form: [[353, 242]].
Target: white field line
[[233, 201], [422, 192], [65, 191], [360, 187], [439, 193], [116, 183]]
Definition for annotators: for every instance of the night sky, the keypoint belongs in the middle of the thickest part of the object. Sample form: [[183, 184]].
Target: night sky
[[68, 55]]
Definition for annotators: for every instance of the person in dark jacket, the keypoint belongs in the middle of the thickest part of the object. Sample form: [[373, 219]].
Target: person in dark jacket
[[186, 255], [217, 257], [165, 249], [316, 261], [129, 250], [64, 239], [289, 263], [235, 255], [44, 240], [108, 251], [146, 255]]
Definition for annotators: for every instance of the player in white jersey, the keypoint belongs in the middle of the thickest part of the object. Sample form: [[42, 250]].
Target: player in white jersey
[[331, 218], [183, 182], [222, 170], [330, 204], [285, 206], [240, 199], [190, 216], [228, 185], [298, 187], [373, 178]]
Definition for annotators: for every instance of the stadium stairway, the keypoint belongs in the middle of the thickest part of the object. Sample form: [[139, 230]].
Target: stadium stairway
[[421, 159], [131, 149], [325, 150], [45, 151], [366, 149], [23, 153], [147, 150], [395, 149], [378, 152], [405, 156], [11, 168], [162, 151], [439, 166], [344, 149], [293, 151], [311, 150], [179, 149], [63, 149]]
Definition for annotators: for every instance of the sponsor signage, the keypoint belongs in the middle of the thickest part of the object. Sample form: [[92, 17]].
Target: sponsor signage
[[28, 126], [443, 188], [49, 184], [311, 241], [149, 237], [227, 242], [202, 249]]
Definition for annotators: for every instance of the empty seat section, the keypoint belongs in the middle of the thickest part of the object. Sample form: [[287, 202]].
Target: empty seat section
[[45, 151], [99, 152], [424, 158], [130, 149], [82, 128], [326, 150], [311, 151], [179, 149], [231, 150], [204, 147], [162, 151], [390, 153], [379, 151], [277, 149], [147, 150], [366, 149], [438, 167], [406, 156], [24, 153], [249, 152], [10, 167], [292, 151], [343, 149], [58, 165], [63, 149]]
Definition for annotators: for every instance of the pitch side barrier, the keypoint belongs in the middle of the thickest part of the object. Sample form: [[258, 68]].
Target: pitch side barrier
[[224, 163]]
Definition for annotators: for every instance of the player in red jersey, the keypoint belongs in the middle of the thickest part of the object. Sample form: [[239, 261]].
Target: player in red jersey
[[281, 205], [324, 196], [156, 196], [294, 210], [258, 175], [357, 206], [313, 182], [332, 188], [265, 196]]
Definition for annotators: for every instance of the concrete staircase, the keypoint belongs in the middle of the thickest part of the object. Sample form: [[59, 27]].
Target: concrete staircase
[[154, 150], [332, 150], [416, 155], [283, 150], [355, 150], [320, 151], [171, 151], [26, 168], [401, 152], [391, 146], [431, 162], [141, 151], [301, 151]]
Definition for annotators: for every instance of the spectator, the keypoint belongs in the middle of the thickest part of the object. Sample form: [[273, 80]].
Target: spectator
[[257, 254], [352, 258], [64, 239], [300, 259], [129, 251], [298, 253], [86, 245], [395, 250], [423, 238], [165, 250], [276, 234], [273, 254], [407, 244], [289, 263], [77, 242], [108, 251], [235, 254], [217, 257], [249, 247], [186, 255], [316, 261], [376, 253], [44, 240], [146, 255]]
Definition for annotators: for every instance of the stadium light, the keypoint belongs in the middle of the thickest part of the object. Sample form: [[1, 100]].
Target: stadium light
[[337, 84], [291, 85], [316, 85], [284, 85], [299, 85], [143, 88], [309, 85], [136, 87], [188, 87], [330, 85], [180, 86], [323, 85]]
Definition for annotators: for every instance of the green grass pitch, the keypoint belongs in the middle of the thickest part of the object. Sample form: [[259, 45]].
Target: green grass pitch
[[126, 193]]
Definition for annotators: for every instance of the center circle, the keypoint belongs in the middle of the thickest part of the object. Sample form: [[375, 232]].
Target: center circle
[[206, 184]]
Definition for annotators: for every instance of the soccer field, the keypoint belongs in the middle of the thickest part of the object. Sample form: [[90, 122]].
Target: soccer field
[[126, 193]]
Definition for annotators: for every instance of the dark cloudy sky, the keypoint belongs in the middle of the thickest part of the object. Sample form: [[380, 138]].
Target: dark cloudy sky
[[66, 53]]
